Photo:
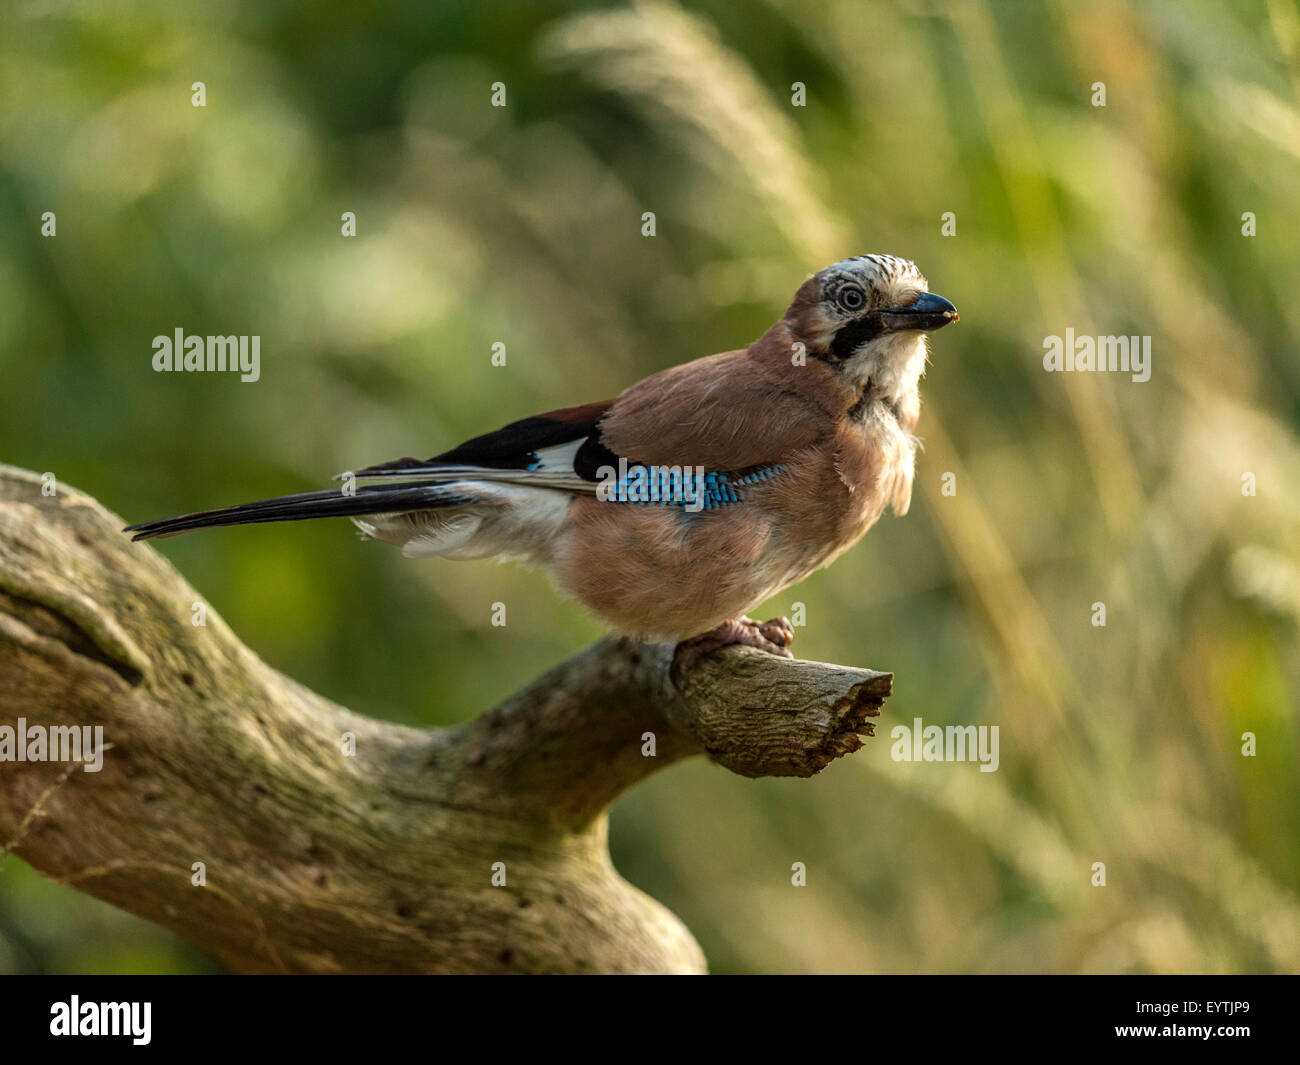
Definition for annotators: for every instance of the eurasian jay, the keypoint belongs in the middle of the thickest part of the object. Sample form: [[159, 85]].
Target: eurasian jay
[[697, 493]]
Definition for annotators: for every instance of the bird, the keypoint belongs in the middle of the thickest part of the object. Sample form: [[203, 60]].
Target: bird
[[696, 494]]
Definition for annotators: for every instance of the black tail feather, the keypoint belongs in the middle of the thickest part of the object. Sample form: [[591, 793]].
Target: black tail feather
[[328, 503]]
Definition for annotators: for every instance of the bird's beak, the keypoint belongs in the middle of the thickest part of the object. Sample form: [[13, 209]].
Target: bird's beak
[[928, 313]]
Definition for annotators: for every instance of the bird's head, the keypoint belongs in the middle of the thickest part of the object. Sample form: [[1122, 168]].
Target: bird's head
[[867, 318]]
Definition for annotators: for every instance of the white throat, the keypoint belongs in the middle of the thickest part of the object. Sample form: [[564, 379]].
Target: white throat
[[893, 364]]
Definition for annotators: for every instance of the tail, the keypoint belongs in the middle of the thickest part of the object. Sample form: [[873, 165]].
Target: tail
[[329, 503]]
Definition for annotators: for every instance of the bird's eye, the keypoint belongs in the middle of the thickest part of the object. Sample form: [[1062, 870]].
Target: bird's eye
[[851, 298]]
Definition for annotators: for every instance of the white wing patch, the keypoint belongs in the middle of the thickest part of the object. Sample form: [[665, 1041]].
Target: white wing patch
[[553, 468]]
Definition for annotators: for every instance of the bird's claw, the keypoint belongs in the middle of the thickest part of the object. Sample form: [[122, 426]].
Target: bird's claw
[[773, 636]]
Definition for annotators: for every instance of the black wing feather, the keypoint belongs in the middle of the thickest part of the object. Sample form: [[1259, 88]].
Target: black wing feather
[[512, 447]]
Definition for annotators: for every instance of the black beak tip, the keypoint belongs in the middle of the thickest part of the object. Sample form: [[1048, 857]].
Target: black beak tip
[[928, 313]]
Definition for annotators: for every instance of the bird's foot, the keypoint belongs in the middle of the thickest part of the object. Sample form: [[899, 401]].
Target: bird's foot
[[773, 636]]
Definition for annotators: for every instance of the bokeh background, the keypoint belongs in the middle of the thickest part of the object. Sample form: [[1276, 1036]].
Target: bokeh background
[[523, 225]]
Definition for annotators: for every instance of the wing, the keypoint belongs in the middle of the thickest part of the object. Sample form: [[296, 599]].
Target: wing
[[725, 412], [559, 449]]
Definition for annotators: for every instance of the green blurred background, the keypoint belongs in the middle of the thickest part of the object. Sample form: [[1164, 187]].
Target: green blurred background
[[522, 225]]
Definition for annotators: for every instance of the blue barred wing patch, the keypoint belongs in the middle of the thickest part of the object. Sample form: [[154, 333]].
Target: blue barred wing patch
[[686, 487]]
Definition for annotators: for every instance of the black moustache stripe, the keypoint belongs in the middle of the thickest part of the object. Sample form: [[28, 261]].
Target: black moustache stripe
[[852, 336]]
